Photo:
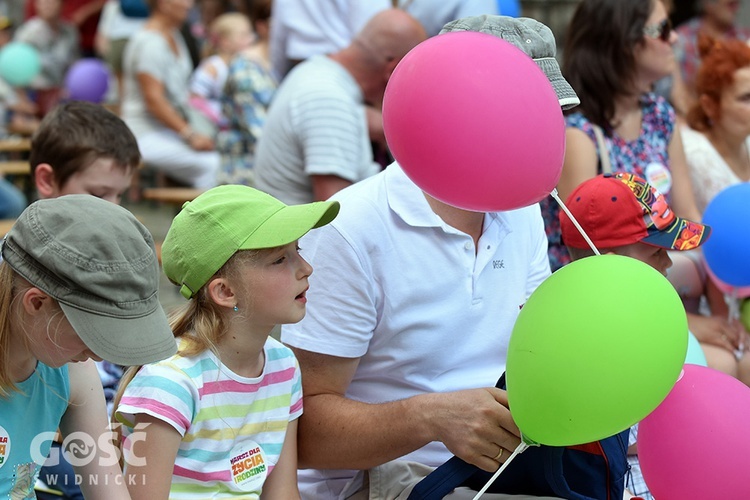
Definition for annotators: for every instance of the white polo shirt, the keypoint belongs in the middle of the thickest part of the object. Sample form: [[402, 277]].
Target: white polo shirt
[[408, 294]]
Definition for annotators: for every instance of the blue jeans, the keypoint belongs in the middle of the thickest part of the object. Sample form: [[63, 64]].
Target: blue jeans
[[12, 200]]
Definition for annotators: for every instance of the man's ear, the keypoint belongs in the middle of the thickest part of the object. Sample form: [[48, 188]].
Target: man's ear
[[44, 179], [221, 292]]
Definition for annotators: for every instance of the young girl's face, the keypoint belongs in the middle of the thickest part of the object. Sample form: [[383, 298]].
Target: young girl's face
[[238, 38], [54, 342], [274, 286]]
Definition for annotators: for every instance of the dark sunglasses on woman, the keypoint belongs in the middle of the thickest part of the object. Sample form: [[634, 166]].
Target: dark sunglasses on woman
[[662, 31]]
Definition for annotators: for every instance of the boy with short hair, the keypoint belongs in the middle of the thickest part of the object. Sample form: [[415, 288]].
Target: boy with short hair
[[622, 214], [82, 148]]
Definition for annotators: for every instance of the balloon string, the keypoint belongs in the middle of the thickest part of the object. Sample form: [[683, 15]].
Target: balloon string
[[575, 222], [519, 449], [733, 302]]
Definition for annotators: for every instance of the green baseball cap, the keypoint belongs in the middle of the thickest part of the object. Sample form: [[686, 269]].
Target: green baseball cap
[[225, 219], [99, 263]]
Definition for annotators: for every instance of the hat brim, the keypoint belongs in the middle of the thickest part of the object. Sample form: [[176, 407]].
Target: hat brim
[[681, 235], [124, 341], [565, 94], [290, 224]]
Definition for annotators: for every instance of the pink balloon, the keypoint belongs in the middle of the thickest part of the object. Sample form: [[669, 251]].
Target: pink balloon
[[740, 291], [695, 444], [475, 123]]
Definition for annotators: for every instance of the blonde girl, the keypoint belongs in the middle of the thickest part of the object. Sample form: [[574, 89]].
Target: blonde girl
[[228, 34], [78, 282], [220, 417]]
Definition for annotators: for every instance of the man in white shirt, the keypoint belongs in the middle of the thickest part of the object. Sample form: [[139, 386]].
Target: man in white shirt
[[408, 319]]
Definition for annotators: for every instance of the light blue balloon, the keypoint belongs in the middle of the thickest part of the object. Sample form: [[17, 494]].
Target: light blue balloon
[[19, 63], [695, 354]]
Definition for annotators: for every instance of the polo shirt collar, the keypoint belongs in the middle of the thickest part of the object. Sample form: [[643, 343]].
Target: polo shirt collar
[[407, 201]]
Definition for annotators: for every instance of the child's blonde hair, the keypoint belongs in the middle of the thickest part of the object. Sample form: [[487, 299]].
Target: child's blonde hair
[[7, 292], [200, 322], [222, 27]]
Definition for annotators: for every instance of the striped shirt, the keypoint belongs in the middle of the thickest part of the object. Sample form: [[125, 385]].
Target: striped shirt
[[316, 125], [232, 427]]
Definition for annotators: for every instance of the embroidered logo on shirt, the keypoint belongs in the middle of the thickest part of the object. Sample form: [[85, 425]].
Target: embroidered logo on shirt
[[498, 264]]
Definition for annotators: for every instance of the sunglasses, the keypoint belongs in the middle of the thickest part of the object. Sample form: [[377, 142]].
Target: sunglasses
[[662, 31]]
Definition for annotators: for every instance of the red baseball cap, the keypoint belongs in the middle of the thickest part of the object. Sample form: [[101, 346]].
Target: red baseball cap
[[621, 209]]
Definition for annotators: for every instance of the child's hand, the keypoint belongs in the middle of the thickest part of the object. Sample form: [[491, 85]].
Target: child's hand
[[201, 142], [716, 330]]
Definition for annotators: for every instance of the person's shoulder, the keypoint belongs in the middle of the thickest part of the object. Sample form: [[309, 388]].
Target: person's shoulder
[[362, 198], [657, 108], [278, 353], [176, 367], [53, 376], [319, 73], [33, 24], [690, 134], [146, 35], [577, 120], [696, 144]]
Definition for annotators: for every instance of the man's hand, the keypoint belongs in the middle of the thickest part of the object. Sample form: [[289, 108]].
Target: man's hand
[[475, 425]]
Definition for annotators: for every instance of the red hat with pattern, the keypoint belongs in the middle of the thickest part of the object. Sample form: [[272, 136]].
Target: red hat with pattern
[[621, 209]]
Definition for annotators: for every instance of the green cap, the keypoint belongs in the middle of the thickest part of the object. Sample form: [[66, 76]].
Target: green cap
[[99, 263], [225, 219]]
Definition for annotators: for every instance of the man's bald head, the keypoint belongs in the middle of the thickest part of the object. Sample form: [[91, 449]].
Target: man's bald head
[[390, 34]]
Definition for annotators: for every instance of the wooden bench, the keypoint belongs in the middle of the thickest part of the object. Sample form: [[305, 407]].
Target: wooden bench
[[5, 225], [171, 195], [15, 167], [15, 144]]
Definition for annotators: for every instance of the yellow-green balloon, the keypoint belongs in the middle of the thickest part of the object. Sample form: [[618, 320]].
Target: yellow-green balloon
[[745, 314], [596, 348]]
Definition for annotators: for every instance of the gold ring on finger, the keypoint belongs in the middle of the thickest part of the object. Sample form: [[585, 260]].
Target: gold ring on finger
[[499, 454]]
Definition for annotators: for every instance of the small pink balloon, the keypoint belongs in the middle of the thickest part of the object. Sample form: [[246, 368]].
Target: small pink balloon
[[740, 291], [695, 444], [475, 123]]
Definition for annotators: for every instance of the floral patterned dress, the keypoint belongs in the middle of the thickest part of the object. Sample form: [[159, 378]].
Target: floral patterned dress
[[647, 156], [247, 95]]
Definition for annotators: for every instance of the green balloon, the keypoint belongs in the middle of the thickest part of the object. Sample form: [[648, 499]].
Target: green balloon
[[597, 347], [19, 63]]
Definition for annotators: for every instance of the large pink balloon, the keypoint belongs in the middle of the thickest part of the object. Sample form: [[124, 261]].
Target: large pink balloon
[[697, 441], [475, 123]]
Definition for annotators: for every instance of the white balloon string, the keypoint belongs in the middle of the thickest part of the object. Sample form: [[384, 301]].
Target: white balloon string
[[519, 449], [733, 303], [574, 221]]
